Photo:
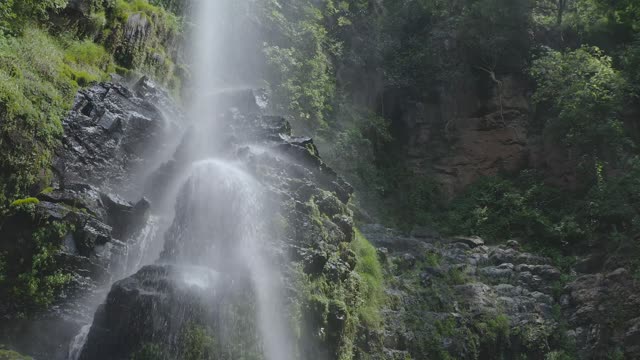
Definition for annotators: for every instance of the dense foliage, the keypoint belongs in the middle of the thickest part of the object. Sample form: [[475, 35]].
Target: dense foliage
[[41, 72], [342, 62]]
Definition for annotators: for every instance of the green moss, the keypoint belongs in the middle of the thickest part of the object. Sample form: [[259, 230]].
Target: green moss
[[47, 190], [369, 269], [34, 278], [12, 355], [494, 331], [150, 57], [150, 352], [27, 201], [198, 344], [433, 259], [456, 276]]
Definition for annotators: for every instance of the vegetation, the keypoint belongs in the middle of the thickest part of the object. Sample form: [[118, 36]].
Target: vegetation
[[40, 74], [372, 287], [11, 355], [579, 56], [32, 276]]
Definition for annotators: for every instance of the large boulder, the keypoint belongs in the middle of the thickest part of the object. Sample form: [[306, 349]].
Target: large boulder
[[162, 305]]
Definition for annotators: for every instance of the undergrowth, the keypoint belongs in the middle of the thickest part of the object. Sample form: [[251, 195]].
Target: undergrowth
[[369, 269], [39, 76]]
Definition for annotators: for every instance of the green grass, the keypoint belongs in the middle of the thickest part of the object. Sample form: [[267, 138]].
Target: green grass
[[12, 355], [39, 76], [124, 9], [370, 271]]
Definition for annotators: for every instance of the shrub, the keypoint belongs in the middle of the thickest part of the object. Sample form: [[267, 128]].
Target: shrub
[[197, 344], [585, 94], [498, 209], [15, 14], [150, 352]]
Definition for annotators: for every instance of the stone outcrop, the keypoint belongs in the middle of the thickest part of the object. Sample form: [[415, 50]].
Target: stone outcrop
[[112, 131], [465, 299], [603, 314], [87, 227], [466, 137]]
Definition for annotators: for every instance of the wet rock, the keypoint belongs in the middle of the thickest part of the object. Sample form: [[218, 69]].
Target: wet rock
[[107, 132], [104, 137], [602, 311], [406, 262], [471, 241], [462, 286], [313, 232], [160, 302]]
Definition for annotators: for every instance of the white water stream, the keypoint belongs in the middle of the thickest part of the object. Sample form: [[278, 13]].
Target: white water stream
[[217, 222]]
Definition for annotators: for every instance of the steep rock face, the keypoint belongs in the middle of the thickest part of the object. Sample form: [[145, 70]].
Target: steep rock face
[[603, 314], [84, 227], [458, 298], [466, 137], [109, 131], [80, 230], [309, 229]]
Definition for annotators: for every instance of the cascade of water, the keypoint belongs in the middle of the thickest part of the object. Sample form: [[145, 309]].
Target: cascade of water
[[219, 225], [78, 342], [219, 214], [217, 218]]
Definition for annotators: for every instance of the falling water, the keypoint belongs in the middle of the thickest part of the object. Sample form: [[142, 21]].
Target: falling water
[[78, 341], [219, 226], [217, 211]]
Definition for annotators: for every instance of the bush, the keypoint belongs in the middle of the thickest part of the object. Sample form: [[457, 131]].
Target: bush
[[500, 209], [198, 344], [16, 14], [32, 277], [150, 352], [585, 94], [12, 355]]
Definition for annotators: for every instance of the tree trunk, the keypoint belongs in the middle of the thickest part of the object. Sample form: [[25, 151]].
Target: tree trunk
[[562, 4]]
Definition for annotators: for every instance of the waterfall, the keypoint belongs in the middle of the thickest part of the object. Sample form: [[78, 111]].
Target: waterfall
[[210, 223], [78, 342], [219, 210], [219, 225]]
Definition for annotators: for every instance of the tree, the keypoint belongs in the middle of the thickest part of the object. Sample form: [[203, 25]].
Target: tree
[[584, 93]]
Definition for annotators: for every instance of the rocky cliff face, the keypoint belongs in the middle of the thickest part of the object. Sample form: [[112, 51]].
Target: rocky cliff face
[[79, 236], [445, 298], [309, 228], [468, 136], [461, 298]]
